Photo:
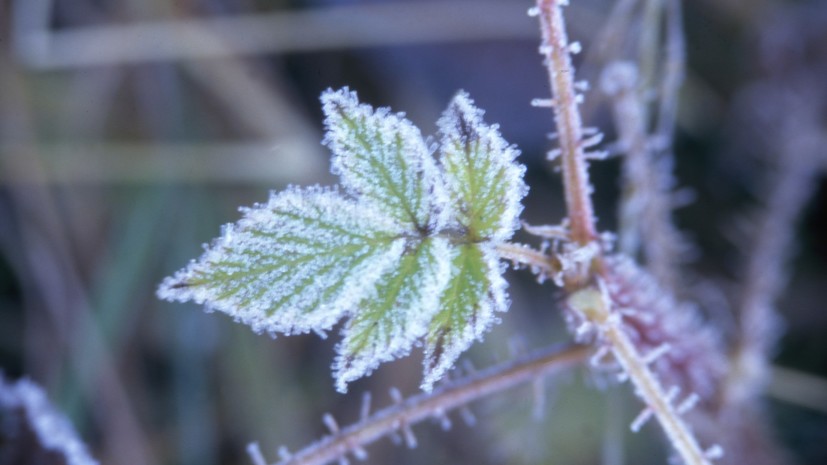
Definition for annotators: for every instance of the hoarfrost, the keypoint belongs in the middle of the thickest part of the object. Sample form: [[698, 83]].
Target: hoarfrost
[[396, 314], [407, 253], [381, 156], [53, 431], [293, 265], [483, 181], [476, 291]]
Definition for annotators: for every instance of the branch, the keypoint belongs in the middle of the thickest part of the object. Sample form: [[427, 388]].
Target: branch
[[556, 49], [595, 307], [588, 302], [435, 404], [645, 208]]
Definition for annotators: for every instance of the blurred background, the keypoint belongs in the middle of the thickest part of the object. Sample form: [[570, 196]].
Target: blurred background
[[131, 130]]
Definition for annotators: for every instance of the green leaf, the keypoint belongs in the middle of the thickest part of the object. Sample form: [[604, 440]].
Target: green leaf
[[484, 183], [406, 254], [381, 157], [397, 314], [475, 291], [293, 265]]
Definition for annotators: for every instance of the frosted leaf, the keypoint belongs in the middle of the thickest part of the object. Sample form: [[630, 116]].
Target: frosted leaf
[[484, 183], [292, 265], [406, 254], [392, 318], [382, 157], [475, 291], [52, 431]]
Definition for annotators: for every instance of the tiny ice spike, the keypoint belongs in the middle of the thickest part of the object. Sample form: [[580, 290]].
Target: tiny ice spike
[[406, 251]]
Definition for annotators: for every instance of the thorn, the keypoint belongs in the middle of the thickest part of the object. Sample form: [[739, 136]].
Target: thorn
[[396, 396], [284, 454], [547, 231], [533, 11], [672, 394], [552, 136], [590, 131], [410, 439], [254, 451], [715, 452], [641, 419], [552, 155], [542, 102], [656, 353], [582, 86], [545, 49], [364, 412], [575, 48], [593, 140], [467, 416], [688, 404], [444, 421], [596, 360], [360, 454], [330, 423]]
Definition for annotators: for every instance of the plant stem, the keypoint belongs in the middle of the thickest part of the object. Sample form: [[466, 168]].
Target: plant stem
[[525, 255], [436, 403], [656, 399], [556, 50]]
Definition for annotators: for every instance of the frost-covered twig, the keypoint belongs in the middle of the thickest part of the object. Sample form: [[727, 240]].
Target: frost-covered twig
[[52, 431], [436, 403], [645, 211], [587, 297], [556, 49], [594, 305]]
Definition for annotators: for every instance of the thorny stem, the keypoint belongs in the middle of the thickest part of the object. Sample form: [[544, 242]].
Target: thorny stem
[[556, 50], [535, 259], [435, 404], [581, 222], [656, 399], [595, 305], [645, 210]]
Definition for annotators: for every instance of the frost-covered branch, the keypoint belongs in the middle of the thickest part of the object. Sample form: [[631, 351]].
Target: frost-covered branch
[[595, 307], [556, 49], [599, 314], [52, 432], [645, 211], [400, 416]]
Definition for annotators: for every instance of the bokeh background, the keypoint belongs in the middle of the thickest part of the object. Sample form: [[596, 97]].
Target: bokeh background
[[131, 130]]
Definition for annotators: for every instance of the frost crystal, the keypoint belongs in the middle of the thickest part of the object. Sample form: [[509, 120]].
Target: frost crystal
[[406, 253], [484, 184], [52, 430], [380, 156]]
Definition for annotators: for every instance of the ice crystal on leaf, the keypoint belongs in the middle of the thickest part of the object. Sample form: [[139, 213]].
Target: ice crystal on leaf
[[484, 184], [406, 253]]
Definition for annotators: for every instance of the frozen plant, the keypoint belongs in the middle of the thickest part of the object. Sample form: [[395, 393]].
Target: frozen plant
[[407, 250], [25, 409], [411, 248]]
